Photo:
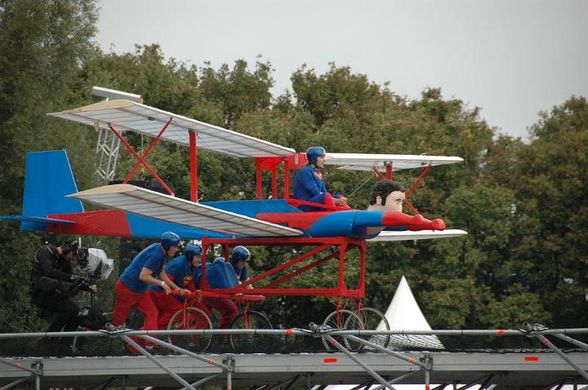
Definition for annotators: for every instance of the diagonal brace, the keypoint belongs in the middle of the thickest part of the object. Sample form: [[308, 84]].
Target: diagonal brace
[[374, 374], [158, 363]]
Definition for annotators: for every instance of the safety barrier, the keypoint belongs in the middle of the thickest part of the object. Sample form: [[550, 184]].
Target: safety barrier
[[337, 338]]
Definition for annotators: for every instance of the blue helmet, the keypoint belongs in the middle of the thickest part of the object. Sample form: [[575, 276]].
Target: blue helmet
[[314, 152], [240, 253], [169, 239], [192, 250]]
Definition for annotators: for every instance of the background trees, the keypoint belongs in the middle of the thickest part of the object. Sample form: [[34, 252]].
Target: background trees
[[550, 244], [42, 45], [524, 205]]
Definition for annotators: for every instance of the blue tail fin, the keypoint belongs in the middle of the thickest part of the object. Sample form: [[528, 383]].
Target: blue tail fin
[[48, 178]]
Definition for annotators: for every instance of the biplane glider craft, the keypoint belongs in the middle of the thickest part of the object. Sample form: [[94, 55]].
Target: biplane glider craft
[[53, 204]]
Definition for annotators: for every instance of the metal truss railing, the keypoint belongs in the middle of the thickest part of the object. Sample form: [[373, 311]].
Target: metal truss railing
[[227, 366]]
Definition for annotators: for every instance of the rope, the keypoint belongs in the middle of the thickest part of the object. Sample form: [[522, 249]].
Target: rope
[[360, 186]]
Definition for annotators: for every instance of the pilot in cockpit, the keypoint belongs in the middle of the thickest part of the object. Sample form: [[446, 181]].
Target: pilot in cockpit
[[309, 184]]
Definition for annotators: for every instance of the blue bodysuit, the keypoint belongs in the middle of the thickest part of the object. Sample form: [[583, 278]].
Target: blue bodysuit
[[153, 257], [310, 186]]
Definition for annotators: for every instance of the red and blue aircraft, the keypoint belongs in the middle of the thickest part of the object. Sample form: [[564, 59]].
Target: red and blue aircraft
[[53, 203]]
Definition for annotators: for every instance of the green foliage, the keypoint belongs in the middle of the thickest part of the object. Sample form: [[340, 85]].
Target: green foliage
[[16, 251], [499, 163], [42, 46], [551, 211], [239, 90], [338, 91], [448, 302], [516, 307]]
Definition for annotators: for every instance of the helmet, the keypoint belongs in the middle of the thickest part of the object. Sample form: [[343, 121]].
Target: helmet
[[315, 152], [240, 253], [70, 246], [192, 250], [169, 239]]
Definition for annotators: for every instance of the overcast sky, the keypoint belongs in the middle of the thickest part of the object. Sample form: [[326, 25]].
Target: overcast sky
[[511, 58]]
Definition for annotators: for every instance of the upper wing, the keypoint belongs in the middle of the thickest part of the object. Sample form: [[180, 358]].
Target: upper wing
[[152, 204], [408, 235], [126, 115], [367, 161]]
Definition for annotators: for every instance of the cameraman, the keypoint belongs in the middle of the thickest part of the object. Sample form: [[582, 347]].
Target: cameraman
[[53, 283]]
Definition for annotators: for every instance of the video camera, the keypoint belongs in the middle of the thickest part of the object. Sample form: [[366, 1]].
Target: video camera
[[81, 280], [96, 265]]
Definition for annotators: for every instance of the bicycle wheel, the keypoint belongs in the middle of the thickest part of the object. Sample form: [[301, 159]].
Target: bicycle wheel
[[246, 343], [190, 318], [373, 319], [342, 320]]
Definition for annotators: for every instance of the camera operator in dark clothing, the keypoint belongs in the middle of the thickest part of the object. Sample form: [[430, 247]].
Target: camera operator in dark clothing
[[54, 283]]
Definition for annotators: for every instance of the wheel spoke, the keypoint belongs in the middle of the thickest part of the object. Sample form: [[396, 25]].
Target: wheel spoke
[[249, 320], [373, 319], [190, 318], [343, 320]]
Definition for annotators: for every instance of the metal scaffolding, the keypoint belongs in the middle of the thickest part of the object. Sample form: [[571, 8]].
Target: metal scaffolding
[[107, 150], [108, 145], [379, 366]]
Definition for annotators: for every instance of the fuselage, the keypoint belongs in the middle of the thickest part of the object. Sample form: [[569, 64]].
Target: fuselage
[[361, 224]]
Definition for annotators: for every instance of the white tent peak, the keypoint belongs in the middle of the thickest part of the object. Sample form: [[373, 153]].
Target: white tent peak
[[404, 313]]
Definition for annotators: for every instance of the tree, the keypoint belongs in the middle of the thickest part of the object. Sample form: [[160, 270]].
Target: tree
[[336, 93], [237, 90], [551, 209], [42, 45]]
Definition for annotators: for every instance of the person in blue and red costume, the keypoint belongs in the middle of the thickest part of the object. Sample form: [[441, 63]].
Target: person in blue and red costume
[[238, 260], [388, 196], [181, 271], [220, 275], [146, 269], [309, 184]]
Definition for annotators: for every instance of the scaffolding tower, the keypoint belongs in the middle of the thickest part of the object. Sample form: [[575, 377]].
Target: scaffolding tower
[[108, 145]]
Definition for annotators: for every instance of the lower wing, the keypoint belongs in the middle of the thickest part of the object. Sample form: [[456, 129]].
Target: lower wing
[[167, 208], [418, 235]]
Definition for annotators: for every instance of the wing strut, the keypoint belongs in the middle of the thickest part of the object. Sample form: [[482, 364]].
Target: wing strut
[[418, 180], [140, 159], [193, 166], [388, 166], [413, 186]]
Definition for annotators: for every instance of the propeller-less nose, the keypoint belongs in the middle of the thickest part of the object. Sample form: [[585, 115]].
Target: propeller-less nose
[[416, 222]]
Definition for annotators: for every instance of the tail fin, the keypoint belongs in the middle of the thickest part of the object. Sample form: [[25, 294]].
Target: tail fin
[[48, 178]]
